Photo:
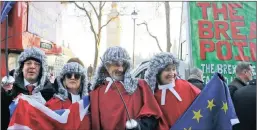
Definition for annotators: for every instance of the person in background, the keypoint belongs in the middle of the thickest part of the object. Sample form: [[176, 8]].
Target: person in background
[[30, 79], [90, 72], [174, 95], [72, 86], [245, 106], [243, 75], [107, 109], [196, 78]]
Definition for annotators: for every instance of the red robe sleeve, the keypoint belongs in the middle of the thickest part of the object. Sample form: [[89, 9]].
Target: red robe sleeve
[[94, 97], [195, 91], [150, 106]]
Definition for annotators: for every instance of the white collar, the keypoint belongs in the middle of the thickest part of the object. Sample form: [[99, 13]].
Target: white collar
[[109, 79], [74, 98], [169, 86], [26, 83]]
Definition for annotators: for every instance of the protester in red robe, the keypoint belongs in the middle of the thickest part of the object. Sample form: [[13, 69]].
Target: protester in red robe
[[72, 86], [107, 109], [173, 95]]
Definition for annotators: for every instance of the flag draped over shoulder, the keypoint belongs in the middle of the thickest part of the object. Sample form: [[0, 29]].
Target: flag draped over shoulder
[[28, 114], [211, 110]]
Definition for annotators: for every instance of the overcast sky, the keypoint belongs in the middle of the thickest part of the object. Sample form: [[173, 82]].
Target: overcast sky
[[77, 33]]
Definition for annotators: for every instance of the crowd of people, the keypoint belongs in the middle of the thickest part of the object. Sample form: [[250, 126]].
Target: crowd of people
[[117, 99]]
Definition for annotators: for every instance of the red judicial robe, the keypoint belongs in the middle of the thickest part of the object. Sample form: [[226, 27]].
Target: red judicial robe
[[174, 108], [108, 111], [56, 104]]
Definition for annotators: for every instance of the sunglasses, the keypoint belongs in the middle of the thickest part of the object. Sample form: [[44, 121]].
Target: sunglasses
[[76, 76]]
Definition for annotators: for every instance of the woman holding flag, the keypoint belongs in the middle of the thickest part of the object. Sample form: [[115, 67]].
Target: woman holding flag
[[173, 95], [71, 87]]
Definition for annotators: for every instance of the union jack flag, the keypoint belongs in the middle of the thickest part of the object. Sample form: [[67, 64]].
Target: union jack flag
[[29, 114]]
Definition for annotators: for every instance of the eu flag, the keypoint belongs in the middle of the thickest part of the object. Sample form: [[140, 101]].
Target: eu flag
[[211, 110]]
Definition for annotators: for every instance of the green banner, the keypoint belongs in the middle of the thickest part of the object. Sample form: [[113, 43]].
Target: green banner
[[222, 35]]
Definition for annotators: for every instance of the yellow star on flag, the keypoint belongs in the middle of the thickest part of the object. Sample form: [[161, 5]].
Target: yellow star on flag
[[210, 104], [225, 107], [197, 115], [190, 128]]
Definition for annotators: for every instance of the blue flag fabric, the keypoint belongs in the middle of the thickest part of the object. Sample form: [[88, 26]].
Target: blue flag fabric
[[211, 110], [7, 6]]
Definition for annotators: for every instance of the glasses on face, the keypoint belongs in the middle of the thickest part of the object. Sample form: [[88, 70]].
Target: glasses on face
[[29, 63], [76, 76]]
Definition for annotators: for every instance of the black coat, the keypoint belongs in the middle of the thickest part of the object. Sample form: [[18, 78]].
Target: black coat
[[235, 85], [245, 106], [199, 84], [7, 97]]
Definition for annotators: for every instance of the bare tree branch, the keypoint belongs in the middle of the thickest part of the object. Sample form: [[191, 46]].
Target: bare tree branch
[[89, 18], [97, 29], [109, 21], [103, 5], [99, 22], [167, 14], [156, 39], [100, 11], [93, 8], [79, 6]]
